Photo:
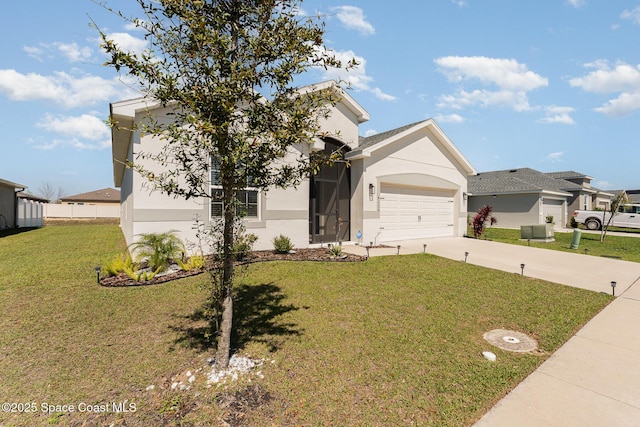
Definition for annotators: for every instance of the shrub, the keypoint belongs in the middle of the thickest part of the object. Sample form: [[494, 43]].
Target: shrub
[[335, 251], [195, 262], [282, 244], [244, 245], [479, 220], [118, 265], [159, 249]]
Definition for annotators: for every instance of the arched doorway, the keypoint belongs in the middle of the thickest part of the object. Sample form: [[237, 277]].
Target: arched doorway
[[330, 199]]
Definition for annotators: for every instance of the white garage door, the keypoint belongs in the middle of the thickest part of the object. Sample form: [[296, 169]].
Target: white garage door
[[408, 213], [554, 208]]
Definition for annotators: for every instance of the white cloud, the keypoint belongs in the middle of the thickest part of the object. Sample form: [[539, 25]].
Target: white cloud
[[128, 43], [555, 157], [371, 132], [623, 79], [504, 73], [555, 114], [449, 118], [73, 52], [34, 52], [357, 77], [512, 80], [459, 3], [86, 126], [84, 132], [353, 18], [61, 88], [632, 15], [576, 3]]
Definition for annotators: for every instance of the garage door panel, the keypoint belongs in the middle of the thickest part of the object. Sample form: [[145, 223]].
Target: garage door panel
[[410, 213]]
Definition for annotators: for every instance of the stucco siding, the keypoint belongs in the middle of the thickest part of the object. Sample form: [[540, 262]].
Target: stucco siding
[[511, 211], [7, 207]]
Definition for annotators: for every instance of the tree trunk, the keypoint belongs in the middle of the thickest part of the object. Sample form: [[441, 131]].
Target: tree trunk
[[224, 337], [224, 334]]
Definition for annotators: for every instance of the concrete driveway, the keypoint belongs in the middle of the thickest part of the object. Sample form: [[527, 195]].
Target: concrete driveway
[[594, 378]]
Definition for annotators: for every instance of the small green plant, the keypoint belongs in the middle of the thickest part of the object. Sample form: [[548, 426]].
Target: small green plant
[[141, 275], [118, 265], [573, 223], [158, 249], [282, 244], [335, 251], [549, 219], [195, 262], [244, 245]]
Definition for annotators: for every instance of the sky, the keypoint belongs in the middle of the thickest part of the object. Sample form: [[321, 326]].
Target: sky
[[553, 85]]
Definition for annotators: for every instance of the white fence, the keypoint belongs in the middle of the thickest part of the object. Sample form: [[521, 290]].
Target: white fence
[[30, 213], [81, 211]]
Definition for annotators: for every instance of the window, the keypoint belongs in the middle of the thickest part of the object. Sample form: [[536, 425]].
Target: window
[[248, 198]]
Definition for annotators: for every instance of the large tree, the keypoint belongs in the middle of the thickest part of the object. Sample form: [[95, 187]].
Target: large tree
[[226, 70]]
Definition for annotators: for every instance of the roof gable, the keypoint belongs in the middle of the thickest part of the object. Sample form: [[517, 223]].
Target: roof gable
[[373, 143]]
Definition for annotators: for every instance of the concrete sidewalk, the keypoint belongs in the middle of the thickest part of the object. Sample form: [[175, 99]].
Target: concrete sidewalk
[[594, 378]]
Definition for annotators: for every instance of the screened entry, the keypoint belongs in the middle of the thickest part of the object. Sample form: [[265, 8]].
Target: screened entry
[[330, 199]]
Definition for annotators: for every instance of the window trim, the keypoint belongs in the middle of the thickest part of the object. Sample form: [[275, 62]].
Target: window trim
[[248, 189]]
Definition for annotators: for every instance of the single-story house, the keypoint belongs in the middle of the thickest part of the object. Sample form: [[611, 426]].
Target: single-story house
[[522, 196], [105, 196], [407, 183], [9, 203]]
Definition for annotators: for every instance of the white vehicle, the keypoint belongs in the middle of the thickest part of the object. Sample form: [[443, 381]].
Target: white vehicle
[[627, 216]]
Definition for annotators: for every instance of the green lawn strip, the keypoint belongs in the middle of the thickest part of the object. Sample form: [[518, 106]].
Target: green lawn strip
[[65, 339], [390, 341], [626, 248], [399, 339]]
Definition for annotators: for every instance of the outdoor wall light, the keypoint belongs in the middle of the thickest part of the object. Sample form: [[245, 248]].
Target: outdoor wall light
[[522, 269], [466, 254], [613, 288], [424, 248], [465, 196], [97, 270], [398, 250], [372, 190]]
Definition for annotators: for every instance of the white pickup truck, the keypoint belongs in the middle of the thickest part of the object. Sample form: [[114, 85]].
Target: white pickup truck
[[627, 216]]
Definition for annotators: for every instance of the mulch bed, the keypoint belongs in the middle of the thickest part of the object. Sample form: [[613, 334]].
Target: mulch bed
[[308, 254]]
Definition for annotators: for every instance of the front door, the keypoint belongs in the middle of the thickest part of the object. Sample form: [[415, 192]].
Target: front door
[[329, 201]]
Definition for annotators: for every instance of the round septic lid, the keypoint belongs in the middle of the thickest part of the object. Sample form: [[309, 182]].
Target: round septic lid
[[511, 340]]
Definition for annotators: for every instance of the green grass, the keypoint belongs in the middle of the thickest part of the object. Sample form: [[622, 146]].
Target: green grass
[[626, 248], [392, 341]]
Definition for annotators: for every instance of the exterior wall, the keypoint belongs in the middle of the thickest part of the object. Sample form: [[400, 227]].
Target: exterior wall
[[92, 203], [417, 161], [511, 210], [7, 207], [342, 124]]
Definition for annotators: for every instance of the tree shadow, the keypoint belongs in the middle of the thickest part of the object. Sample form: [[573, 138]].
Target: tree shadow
[[12, 231], [256, 318]]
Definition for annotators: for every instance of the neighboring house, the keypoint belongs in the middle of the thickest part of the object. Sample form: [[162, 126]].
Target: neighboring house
[[104, 197], [409, 183], [586, 197], [9, 203], [30, 210], [632, 195], [522, 196]]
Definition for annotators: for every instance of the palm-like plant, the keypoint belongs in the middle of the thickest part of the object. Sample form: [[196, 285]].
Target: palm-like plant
[[159, 249]]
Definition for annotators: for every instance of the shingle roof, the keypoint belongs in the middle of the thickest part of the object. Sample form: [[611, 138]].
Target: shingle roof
[[28, 196], [567, 175], [368, 141], [517, 181], [104, 195]]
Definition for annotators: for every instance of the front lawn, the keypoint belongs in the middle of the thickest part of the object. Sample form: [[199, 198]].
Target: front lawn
[[394, 340], [622, 247]]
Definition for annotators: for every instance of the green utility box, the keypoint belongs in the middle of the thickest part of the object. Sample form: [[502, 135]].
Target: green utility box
[[575, 239], [537, 232]]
